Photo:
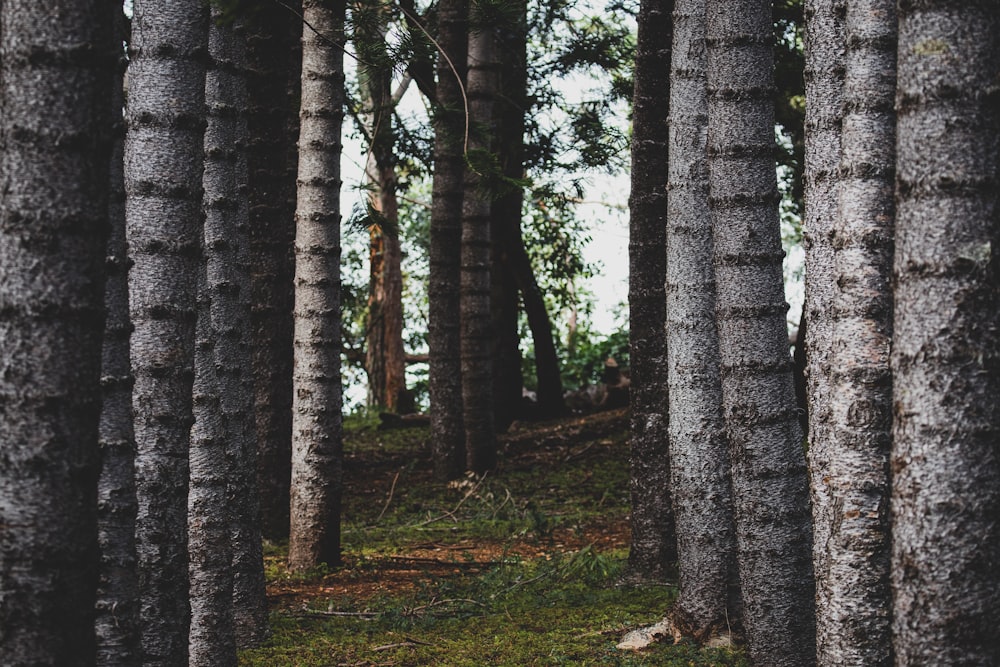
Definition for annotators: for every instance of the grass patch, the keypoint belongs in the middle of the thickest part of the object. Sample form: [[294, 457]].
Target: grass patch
[[517, 568]]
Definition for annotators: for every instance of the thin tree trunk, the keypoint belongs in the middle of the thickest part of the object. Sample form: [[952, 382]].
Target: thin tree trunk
[[55, 140], [117, 621], [654, 545], [770, 488], [445, 382], [946, 353], [385, 357], [163, 173], [317, 458], [853, 619], [699, 458], [274, 31], [476, 322], [824, 83]]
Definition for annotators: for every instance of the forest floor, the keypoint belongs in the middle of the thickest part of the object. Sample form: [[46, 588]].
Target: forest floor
[[521, 567]]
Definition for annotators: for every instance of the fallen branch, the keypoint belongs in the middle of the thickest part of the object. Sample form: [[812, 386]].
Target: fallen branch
[[451, 514], [415, 611], [367, 615], [389, 499]]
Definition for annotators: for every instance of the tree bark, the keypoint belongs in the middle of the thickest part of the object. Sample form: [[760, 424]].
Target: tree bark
[[946, 354], [317, 449], [163, 174], [770, 489], [654, 545], [824, 83], [445, 382], [385, 361], [55, 140], [210, 553], [853, 617], [476, 320], [117, 622], [274, 31], [699, 458]]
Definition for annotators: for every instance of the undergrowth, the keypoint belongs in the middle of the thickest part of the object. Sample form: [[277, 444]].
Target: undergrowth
[[519, 568]]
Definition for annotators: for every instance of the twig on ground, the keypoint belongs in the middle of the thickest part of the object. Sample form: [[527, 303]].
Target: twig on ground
[[415, 611], [389, 499], [409, 642], [366, 615], [451, 514], [573, 455]]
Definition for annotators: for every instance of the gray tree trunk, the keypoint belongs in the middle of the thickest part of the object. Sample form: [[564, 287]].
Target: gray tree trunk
[[946, 353], [476, 320], [163, 173], [55, 140], [699, 455], [824, 83], [653, 541], [770, 488], [226, 256], [853, 588], [445, 382], [117, 622], [274, 31], [317, 458], [210, 553]]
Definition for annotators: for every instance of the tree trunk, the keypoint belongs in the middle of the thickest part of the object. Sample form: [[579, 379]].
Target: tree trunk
[[117, 621], [505, 225], [770, 489], [55, 120], [385, 361], [163, 181], [824, 83], [476, 323], [274, 31], [317, 455], [210, 641], [654, 545], [853, 619], [227, 284], [450, 121], [946, 353], [699, 459]]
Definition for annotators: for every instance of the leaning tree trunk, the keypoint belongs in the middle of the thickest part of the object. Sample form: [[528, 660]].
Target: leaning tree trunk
[[163, 172], [274, 31], [476, 322], [317, 458], [824, 83], [699, 458], [653, 541], [853, 615], [770, 489], [445, 381], [55, 137], [946, 354], [117, 622]]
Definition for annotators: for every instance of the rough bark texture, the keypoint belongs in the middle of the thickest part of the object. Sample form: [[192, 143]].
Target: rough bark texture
[[163, 172], [946, 353], [317, 458], [117, 622], [476, 322], [853, 587], [445, 381], [226, 256], [210, 554], [55, 120], [770, 489], [653, 541], [274, 31], [699, 457], [824, 83]]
